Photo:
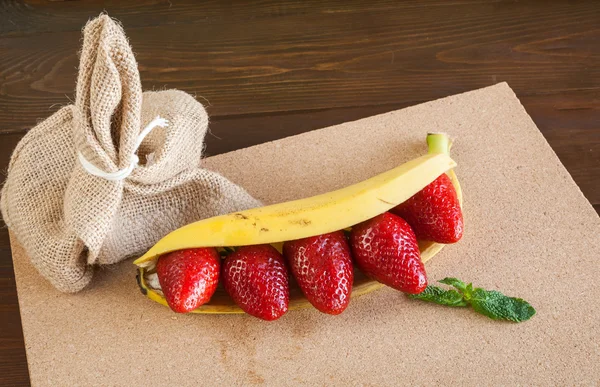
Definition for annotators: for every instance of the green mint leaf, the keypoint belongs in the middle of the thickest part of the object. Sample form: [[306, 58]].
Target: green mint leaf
[[490, 303], [440, 296], [454, 282], [497, 306], [468, 292]]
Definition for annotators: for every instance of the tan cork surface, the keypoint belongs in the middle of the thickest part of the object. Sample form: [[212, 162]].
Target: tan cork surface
[[529, 232]]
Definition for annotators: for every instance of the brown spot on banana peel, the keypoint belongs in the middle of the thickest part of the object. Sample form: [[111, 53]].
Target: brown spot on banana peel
[[301, 222], [386, 202], [264, 229], [240, 216]]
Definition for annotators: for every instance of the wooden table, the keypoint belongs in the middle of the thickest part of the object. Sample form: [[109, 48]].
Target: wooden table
[[270, 70]]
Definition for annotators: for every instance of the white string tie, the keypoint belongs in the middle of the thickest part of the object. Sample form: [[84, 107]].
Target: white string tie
[[123, 173]]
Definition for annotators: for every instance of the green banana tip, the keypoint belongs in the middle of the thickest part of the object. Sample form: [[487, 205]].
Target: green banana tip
[[439, 142]]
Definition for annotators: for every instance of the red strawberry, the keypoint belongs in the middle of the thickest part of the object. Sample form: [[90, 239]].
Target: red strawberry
[[323, 269], [257, 280], [385, 248], [188, 278], [434, 212]]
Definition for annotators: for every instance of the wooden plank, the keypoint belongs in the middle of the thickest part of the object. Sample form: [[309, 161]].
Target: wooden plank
[[13, 361], [285, 62], [40, 16]]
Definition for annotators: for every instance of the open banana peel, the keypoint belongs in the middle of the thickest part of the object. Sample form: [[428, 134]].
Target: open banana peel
[[325, 213]]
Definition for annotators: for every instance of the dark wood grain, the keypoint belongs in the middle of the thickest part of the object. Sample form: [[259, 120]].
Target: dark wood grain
[[13, 363], [388, 54], [273, 69]]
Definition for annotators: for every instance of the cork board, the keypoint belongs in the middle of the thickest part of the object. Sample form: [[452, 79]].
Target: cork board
[[529, 232]]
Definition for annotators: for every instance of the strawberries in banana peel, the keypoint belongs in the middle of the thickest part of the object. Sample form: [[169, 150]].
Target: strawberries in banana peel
[[323, 269], [434, 213], [385, 248], [257, 280], [188, 278]]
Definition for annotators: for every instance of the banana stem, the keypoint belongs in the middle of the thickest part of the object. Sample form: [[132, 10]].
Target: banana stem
[[438, 143]]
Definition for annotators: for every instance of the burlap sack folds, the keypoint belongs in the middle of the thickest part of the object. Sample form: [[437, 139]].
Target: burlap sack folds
[[70, 220]]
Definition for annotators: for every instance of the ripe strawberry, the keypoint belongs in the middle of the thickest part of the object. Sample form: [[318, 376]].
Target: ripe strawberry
[[257, 280], [434, 212], [385, 248], [188, 278], [323, 269]]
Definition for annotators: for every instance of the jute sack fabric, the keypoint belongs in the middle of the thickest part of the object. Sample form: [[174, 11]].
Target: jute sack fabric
[[69, 219]]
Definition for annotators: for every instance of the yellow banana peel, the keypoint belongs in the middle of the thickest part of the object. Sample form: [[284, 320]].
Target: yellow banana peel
[[328, 212]]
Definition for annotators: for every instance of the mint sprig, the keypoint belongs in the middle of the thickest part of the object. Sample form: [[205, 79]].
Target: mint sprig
[[490, 303], [441, 296]]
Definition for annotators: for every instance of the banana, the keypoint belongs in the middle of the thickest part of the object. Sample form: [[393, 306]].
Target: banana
[[332, 211]]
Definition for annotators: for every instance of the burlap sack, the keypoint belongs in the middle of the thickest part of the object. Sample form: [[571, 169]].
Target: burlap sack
[[70, 221]]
